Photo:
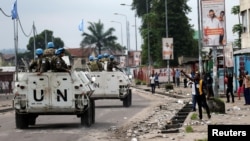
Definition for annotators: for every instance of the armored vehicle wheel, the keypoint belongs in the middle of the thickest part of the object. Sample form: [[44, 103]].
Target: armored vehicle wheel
[[93, 111], [127, 100], [22, 121], [32, 119], [86, 117], [130, 97]]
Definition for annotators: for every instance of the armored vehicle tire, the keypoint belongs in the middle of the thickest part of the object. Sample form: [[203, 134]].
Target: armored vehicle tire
[[127, 101], [22, 121], [93, 111], [86, 117], [32, 119]]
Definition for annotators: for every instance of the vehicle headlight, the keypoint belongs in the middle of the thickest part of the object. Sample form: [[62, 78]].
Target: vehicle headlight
[[93, 79]]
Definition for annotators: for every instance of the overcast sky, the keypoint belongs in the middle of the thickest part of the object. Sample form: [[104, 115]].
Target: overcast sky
[[63, 17]]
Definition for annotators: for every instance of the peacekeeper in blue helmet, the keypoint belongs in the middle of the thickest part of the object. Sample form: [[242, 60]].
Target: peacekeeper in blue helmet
[[40, 64], [112, 63], [92, 64], [105, 57], [49, 51], [57, 63], [100, 62]]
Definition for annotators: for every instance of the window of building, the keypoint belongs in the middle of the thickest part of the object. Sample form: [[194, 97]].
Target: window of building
[[244, 21]]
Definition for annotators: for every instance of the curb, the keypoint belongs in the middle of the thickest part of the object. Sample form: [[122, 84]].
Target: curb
[[6, 109]]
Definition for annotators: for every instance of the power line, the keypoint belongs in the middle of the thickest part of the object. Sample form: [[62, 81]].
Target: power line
[[4, 13], [27, 35]]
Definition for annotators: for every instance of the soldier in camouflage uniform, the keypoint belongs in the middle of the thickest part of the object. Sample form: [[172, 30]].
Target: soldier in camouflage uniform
[[112, 63], [49, 51], [100, 62], [40, 64], [105, 60], [57, 63], [92, 64]]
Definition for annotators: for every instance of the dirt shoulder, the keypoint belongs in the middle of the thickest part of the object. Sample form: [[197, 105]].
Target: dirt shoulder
[[147, 124]]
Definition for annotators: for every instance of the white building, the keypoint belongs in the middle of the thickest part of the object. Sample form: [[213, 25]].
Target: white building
[[245, 13]]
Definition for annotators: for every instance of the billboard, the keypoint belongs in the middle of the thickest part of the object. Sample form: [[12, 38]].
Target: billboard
[[213, 23], [167, 49], [137, 58]]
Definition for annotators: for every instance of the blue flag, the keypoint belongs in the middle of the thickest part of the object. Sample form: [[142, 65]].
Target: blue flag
[[80, 26], [14, 11]]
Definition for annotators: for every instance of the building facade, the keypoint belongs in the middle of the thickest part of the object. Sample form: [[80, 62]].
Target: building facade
[[245, 13]]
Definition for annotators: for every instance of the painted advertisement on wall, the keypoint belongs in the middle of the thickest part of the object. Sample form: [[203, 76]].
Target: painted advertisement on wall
[[213, 22]]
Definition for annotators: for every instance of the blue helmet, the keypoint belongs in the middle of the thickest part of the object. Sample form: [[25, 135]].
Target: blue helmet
[[59, 51], [39, 51], [51, 45], [99, 56], [91, 58], [111, 57], [106, 55]]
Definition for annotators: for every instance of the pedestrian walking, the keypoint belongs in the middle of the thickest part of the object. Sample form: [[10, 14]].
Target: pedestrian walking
[[177, 77], [229, 84], [246, 88], [152, 83], [240, 89], [157, 84]]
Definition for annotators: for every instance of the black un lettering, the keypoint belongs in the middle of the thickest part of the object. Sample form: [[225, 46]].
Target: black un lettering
[[60, 94], [36, 97]]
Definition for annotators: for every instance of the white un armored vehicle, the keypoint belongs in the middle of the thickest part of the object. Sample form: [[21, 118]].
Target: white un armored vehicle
[[53, 94], [112, 85]]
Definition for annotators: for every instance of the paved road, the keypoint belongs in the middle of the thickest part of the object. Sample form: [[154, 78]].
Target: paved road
[[110, 114]]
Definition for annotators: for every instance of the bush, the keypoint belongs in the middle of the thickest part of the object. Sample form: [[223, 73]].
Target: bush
[[194, 116], [189, 129], [169, 86], [138, 82]]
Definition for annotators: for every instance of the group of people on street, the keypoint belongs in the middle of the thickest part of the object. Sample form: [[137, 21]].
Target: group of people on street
[[243, 88], [49, 59], [102, 62]]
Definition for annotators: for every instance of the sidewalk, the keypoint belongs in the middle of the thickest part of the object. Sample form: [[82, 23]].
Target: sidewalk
[[6, 102]]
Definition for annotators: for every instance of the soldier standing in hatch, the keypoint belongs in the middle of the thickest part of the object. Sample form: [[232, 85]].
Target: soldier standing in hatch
[[112, 63], [40, 64], [59, 65]]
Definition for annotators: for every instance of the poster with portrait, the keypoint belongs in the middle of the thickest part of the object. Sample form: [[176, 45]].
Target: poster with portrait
[[137, 58], [122, 61], [213, 23], [167, 49]]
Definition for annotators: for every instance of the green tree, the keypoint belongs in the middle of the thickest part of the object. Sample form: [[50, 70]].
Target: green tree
[[154, 23], [237, 28], [42, 39], [40, 42], [102, 39]]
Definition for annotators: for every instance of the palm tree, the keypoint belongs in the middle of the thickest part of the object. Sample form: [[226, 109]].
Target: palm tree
[[102, 39], [238, 27]]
